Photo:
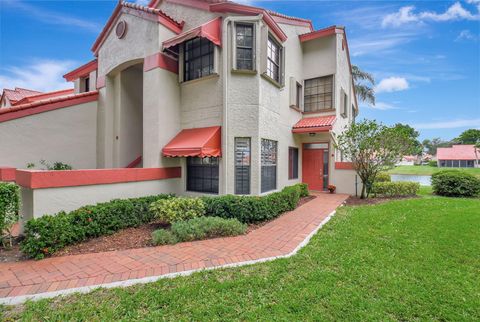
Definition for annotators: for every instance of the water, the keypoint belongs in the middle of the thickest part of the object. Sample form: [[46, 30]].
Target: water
[[423, 180]]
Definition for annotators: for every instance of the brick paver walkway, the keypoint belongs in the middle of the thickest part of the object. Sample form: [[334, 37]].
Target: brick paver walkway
[[277, 238]]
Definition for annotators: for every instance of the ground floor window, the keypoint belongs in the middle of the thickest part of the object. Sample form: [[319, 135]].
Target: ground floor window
[[269, 165], [457, 163], [242, 166], [202, 175], [325, 169], [292, 163]]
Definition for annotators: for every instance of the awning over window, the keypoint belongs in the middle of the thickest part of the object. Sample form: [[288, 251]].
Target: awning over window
[[210, 30], [200, 142], [314, 124]]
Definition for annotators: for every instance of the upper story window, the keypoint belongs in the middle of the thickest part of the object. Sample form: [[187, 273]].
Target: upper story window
[[298, 97], [87, 84], [344, 103], [245, 46], [274, 56], [198, 58], [318, 94]]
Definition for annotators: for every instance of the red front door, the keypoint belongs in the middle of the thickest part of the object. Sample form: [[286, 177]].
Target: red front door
[[312, 168]]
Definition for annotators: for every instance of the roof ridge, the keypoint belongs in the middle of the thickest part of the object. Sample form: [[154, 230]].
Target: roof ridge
[[150, 10], [278, 14]]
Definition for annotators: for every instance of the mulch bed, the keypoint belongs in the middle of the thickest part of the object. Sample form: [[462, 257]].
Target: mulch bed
[[136, 237], [356, 201]]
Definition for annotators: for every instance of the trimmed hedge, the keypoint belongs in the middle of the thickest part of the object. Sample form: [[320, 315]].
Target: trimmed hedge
[[47, 234], [163, 237], [177, 209], [9, 206], [454, 183], [383, 177], [396, 189], [253, 209]]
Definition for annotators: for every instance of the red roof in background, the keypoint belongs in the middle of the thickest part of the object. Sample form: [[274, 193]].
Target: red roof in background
[[314, 124], [14, 95], [457, 152], [209, 30], [199, 142], [42, 96]]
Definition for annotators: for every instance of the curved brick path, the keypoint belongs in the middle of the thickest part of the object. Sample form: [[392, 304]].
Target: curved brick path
[[52, 276]]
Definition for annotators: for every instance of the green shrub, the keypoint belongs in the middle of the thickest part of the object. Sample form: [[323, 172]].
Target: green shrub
[[454, 183], [252, 209], [47, 234], [303, 189], [207, 227], [433, 163], [9, 206], [163, 237], [396, 189], [176, 209], [383, 177]]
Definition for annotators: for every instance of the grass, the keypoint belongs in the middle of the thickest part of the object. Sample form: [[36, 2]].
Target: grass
[[428, 170], [413, 259]]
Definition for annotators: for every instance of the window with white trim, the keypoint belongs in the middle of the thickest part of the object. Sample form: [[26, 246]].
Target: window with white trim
[[202, 174], [242, 166], [274, 59], [268, 165], [292, 163], [318, 94], [244, 46]]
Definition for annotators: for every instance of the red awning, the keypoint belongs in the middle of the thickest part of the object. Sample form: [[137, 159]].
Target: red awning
[[210, 30], [314, 124], [201, 142]]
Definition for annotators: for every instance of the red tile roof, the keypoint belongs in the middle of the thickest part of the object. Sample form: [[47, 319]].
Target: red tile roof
[[314, 124], [43, 96], [14, 95], [458, 152]]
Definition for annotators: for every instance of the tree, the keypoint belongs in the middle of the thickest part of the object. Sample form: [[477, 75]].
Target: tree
[[431, 145], [471, 136], [373, 147], [413, 135], [364, 85]]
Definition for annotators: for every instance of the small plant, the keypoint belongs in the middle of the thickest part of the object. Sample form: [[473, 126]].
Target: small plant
[[432, 163], [396, 189], [163, 237], [207, 227], [55, 166], [176, 209], [383, 177], [9, 210], [331, 188], [453, 183]]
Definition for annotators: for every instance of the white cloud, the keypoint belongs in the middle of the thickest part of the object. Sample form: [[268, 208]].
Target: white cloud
[[448, 124], [407, 15], [392, 84], [52, 17], [379, 43], [382, 106], [42, 75], [466, 35]]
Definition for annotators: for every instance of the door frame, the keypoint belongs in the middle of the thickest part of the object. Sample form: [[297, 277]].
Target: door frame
[[328, 149]]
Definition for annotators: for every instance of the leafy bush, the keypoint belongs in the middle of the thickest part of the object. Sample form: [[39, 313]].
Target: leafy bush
[[57, 165], [176, 209], [9, 206], [47, 234], [207, 227], [453, 183], [383, 177], [433, 163], [303, 189], [252, 209], [163, 237], [396, 189]]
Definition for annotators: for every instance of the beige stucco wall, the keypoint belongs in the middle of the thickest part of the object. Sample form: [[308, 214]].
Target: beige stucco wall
[[66, 134], [191, 16], [38, 202]]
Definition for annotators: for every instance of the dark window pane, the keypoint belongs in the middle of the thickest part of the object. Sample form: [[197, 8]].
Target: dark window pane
[[292, 163], [273, 59], [244, 35], [268, 165], [198, 58], [242, 166], [318, 94], [202, 175]]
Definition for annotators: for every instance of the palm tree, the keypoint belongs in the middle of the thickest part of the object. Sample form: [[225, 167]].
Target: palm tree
[[364, 83]]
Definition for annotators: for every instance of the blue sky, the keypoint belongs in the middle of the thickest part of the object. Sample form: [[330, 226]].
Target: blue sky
[[425, 55]]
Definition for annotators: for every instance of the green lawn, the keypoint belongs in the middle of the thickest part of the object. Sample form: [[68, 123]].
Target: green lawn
[[415, 259], [428, 170]]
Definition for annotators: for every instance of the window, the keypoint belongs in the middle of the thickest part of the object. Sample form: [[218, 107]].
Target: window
[[198, 58], [344, 103], [292, 163], [244, 49], [269, 165], [318, 94], [242, 166], [202, 174], [86, 82], [325, 169], [274, 54], [298, 98]]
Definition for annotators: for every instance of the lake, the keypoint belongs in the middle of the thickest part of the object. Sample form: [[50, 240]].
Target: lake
[[423, 180]]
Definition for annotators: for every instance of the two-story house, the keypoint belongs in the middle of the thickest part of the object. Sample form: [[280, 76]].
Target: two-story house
[[243, 99]]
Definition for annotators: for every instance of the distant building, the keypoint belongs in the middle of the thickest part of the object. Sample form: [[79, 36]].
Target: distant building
[[11, 96], [458, 156]]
